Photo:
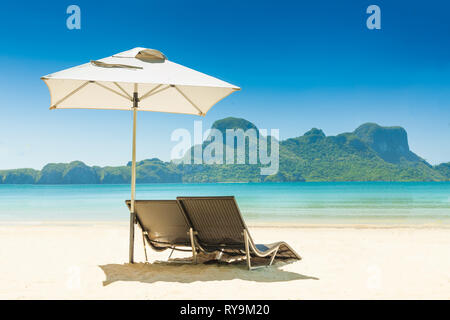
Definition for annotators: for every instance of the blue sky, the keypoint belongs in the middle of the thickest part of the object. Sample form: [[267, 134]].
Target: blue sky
[[300, 64]]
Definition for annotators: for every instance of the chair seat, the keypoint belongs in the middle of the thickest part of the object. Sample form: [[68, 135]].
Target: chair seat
[[267, 247]]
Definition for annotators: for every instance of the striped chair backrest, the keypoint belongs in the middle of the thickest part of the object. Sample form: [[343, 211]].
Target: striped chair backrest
[[164, 220], [217, 220]]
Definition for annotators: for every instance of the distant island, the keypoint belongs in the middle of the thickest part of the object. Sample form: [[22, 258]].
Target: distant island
[[369, 153]]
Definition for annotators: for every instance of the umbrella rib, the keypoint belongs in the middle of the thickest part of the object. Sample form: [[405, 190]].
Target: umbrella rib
[[190, 101], [112, 90], [69, 94], [153, 91], [123, 90]]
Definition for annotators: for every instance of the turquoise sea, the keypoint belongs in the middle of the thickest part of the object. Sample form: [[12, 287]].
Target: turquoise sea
[[327, 202]]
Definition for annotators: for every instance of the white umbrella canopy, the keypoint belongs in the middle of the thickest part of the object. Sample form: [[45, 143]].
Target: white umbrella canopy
[[139, 79], [162, 85]]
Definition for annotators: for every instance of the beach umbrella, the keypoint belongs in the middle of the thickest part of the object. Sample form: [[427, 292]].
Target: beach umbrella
[[139, 79]]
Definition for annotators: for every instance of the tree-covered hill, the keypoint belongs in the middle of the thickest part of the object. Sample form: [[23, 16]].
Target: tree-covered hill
[[370, 153], [443, 169], [355, 157]]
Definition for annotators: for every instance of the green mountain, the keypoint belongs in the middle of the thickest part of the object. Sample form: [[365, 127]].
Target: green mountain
[[19, 176], [75, 172], [370, 153], [390, 143], [443, 169], [232, 123]]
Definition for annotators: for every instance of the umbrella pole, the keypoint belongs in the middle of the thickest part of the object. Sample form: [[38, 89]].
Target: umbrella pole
[[133, 179]]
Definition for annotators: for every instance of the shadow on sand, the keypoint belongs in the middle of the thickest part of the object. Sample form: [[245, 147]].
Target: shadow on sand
[[187, 273]]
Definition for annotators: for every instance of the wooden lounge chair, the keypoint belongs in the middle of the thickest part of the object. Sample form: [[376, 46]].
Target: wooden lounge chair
[[164, 226], [218, 225]]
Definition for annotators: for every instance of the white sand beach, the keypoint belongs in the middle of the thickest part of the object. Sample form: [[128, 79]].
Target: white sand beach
[[87, 260]]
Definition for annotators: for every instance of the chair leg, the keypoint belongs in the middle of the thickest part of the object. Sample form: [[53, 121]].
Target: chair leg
[[171, 252], [248, 256], [145, 248], [247, 250], [273, 256], [194, 250], [219, 255]]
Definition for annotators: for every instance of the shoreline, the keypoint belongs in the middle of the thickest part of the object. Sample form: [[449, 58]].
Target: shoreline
[[250, 224], [217, 182]]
